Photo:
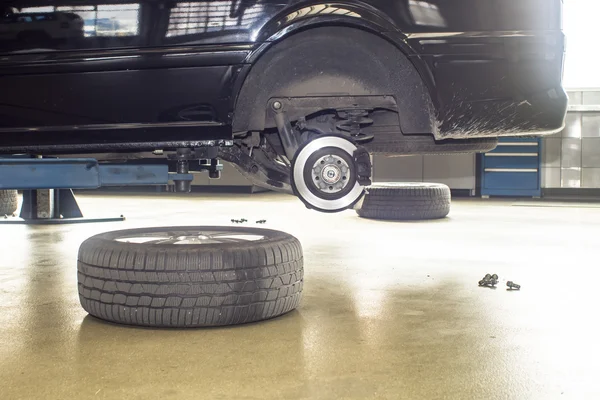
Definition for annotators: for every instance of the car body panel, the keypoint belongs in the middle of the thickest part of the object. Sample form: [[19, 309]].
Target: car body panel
[[492, 67]]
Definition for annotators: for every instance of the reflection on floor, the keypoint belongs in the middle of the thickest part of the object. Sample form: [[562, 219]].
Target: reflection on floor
[[391, 310]]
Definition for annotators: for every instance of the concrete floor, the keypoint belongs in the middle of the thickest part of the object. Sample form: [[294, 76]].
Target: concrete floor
[[390, 310]]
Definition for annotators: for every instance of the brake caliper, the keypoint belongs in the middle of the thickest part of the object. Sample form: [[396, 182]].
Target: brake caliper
[[362, 161]]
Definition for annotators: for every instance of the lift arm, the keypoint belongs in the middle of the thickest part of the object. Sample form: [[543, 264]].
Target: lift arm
[[80, 173]]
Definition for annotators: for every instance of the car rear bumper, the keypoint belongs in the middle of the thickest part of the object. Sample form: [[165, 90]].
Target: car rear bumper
[[499, 84], [541, 113]]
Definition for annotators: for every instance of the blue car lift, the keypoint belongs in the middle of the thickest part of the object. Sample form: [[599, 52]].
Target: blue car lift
[[61, 176]]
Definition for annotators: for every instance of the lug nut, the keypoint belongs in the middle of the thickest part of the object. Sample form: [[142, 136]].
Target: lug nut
[[277, 105], [513, 286], [489, 280]]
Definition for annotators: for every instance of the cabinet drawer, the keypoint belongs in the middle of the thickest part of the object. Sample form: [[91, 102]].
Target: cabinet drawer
[[527, 162], [521, 179]]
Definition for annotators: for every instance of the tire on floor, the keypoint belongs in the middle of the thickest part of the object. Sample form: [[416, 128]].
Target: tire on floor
[[406, 201], [190, 276], [9, 200]]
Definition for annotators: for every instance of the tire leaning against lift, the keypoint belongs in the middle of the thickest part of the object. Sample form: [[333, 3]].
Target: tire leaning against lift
[[406, 201], [9, 201], [190, 276]]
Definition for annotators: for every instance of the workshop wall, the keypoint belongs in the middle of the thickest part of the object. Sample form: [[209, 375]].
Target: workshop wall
[[571, 158], [458, 171]]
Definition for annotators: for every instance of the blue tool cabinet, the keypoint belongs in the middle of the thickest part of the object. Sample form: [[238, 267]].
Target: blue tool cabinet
[[512, 169]]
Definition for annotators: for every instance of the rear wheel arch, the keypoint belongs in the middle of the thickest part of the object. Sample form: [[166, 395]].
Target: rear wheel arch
[[305, 16], [329, 61]]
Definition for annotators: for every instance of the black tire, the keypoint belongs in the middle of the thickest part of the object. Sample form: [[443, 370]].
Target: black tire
[[406, 201], [192, 284], [428, 146], [9, 200]]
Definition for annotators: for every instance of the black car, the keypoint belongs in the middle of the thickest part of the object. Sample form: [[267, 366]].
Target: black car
[[296, 93]]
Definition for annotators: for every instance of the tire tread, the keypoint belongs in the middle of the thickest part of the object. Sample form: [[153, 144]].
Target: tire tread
[[9, 201], [407, 202], [199, 286]]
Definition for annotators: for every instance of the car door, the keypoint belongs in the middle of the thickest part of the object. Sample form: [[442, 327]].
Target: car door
[[5, 27], [152, 69]]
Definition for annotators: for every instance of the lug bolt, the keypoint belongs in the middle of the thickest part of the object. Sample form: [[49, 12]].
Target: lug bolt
[[485, 279], [513, 286], [277, 105], [489, 280]]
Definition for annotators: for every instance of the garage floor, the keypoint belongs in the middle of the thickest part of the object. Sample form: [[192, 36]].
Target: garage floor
[[391, 310]]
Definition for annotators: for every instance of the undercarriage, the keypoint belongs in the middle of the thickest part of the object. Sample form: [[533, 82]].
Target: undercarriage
[[319, 148], [315, 148]]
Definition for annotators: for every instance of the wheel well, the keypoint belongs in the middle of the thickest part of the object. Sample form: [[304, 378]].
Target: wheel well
[[334, 62]]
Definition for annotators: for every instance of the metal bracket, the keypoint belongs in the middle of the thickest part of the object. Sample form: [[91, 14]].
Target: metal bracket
[[173, 176], [213, 166], [259, 169]]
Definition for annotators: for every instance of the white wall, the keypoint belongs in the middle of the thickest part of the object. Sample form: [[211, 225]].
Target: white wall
[[582, 65]]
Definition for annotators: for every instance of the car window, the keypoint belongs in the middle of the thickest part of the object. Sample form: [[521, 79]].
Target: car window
[[72, 25], [193, 21]]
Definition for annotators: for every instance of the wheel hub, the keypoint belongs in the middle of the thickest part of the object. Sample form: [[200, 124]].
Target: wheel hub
[[330, 173], [325, 174]]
